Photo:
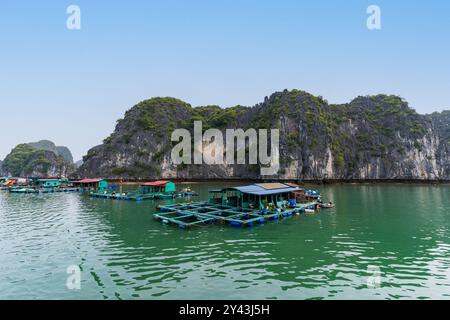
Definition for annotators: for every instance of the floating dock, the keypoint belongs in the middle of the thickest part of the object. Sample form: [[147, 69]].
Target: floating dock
[[203, 213], [122, 196], [51, 185], [147, 191], [238, 207], [46, 190]]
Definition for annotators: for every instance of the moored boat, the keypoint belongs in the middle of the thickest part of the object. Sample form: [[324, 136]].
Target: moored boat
[[23, 190], [186, 192], [328, 205]]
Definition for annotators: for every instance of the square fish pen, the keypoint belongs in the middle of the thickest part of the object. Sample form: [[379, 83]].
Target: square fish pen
[[237, 219], [184, 220], [240, 206], [195, 206]]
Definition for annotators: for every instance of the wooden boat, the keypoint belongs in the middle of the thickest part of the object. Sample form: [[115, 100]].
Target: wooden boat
[[186, 192], [42, 190], [164, 195], [23, 190], [328, 205]]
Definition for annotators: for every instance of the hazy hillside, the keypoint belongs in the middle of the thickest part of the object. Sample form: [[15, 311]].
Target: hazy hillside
[[50, 146]]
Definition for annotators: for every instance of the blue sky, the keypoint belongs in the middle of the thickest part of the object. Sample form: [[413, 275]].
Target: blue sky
[[72, 86]]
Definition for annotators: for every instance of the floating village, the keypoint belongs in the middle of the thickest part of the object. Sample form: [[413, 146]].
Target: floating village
[[240, 206]]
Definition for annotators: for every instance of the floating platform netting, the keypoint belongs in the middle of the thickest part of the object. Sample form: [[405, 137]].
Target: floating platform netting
[[187, 215]]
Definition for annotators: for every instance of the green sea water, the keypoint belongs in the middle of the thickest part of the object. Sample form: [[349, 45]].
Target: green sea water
[[380, 242]]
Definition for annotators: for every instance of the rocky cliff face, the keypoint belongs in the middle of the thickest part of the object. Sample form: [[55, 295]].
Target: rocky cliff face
[[374, 138], [78, 164], [26, 161], [50, 146]]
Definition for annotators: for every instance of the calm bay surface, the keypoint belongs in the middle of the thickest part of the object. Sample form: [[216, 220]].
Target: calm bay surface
[[380, 242]]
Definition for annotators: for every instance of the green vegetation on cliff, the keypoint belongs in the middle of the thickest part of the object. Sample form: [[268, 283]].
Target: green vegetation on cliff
[[50, 146], [372, 137], [25, 160]]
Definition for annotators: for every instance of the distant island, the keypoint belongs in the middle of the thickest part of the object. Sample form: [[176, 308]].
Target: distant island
[[38, 159], [371, 138]]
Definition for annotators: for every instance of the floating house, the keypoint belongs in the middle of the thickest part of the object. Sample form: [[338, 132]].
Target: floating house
[[48, 183], [64, 181], [257, 196], [162, 188], [153, 190], [91, 184], [238, 206], [146, 191]]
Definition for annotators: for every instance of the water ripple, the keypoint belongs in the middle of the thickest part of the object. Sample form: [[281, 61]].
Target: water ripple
[[125, 254]]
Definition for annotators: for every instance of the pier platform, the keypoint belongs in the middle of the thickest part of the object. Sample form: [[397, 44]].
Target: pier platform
[[187, 215]]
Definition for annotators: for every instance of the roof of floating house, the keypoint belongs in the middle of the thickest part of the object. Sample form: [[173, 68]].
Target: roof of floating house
[[271, 186], [48, 180], [156, 184], [263, 189], [294, 185], [86, 181]]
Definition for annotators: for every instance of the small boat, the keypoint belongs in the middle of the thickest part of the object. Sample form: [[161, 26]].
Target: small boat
[[164, 195], [328, 205], [23, 190], [18, 190], [187, 192]]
